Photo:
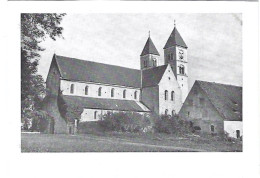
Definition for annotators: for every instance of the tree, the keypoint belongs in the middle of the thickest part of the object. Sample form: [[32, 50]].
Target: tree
[[34, 29]]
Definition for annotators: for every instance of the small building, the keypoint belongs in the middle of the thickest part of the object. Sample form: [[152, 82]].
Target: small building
[[214, 108]]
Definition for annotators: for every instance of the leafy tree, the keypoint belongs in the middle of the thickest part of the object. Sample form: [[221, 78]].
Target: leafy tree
[[34, 29]]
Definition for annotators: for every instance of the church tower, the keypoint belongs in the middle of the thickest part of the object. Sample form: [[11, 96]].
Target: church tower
[[175, 54], [150, 56]]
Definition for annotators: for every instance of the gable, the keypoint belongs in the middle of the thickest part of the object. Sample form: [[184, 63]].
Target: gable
[[152, 77], [168, 76], [87, 71]]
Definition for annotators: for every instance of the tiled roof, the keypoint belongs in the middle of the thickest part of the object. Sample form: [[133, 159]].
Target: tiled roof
[[105, 104], [149, 48], [87, 71], [152, 76], [227, 99], [175, 39]]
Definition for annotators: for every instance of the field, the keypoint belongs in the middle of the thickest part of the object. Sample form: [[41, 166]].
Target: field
[[123, 142]]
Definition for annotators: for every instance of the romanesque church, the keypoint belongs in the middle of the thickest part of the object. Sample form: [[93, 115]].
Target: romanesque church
[[160, 86]]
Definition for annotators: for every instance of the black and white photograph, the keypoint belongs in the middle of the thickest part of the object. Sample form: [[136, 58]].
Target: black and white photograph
[[131, 82]]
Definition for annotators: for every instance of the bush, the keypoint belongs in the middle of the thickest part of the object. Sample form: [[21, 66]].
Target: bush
[[172, 125], [126, 122]]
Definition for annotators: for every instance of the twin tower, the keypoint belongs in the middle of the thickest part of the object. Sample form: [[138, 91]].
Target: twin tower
[[175, 54]]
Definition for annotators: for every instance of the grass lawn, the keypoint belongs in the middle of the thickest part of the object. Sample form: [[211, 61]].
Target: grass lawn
[[122, 142]]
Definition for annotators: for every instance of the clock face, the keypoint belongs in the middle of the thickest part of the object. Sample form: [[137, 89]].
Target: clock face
[[181, 54]]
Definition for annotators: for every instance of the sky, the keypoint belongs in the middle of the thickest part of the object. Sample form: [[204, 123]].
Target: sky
[[214, 42]]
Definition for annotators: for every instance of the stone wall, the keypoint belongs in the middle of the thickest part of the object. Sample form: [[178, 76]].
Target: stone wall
[[200, 112]]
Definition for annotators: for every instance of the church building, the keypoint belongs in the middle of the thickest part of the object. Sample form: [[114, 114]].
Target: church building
[[160, 86]]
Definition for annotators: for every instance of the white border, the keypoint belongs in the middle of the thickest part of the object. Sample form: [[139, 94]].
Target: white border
[[117, 165]]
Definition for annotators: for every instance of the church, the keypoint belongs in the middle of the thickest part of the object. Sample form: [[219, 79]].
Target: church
[[160, 86]]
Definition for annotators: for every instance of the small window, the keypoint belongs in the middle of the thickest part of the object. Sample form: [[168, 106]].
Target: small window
[[124, 94], [112, 92], [145, 63], [238, 133], [154, 63], [171, 56], [166, 95], [95, 115], [72, 88], [86, 90], [99, 91], [188, 113], [173, 112], [166, 112], [172, 96], [135, 94], [212, 128]]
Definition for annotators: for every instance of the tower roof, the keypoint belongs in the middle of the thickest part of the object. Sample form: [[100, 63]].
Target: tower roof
[[149, 48], [175, 39]]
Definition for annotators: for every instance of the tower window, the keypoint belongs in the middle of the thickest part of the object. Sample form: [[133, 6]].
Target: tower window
[[72, 88], [145, 63], [135, 94], [181, 69], [166, 95], [86, 90], [99, 91], [124, 93], [172, 96], [171, 56], [112, 92]]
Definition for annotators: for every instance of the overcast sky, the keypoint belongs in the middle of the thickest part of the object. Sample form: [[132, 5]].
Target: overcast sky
[[214, 42]]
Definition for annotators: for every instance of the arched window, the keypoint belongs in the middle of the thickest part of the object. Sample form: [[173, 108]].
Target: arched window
[[95, 115], [154, 62], [181, 69], [99, 91], [112, 92], [72, 88], [145, 63], [171, 56], [166, 112], [124, 93], [86, 90], [172, 96], [173, 112], [135, 95], [166, 95]]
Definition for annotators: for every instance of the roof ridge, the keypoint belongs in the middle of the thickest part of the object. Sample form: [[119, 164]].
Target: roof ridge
[[219, 83], [95, 62]]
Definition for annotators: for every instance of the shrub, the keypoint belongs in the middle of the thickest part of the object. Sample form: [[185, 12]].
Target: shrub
[[126, 122], [171, 125]]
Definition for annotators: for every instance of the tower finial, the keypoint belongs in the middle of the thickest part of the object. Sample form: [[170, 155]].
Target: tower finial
[[174, 23], [149, 33]]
